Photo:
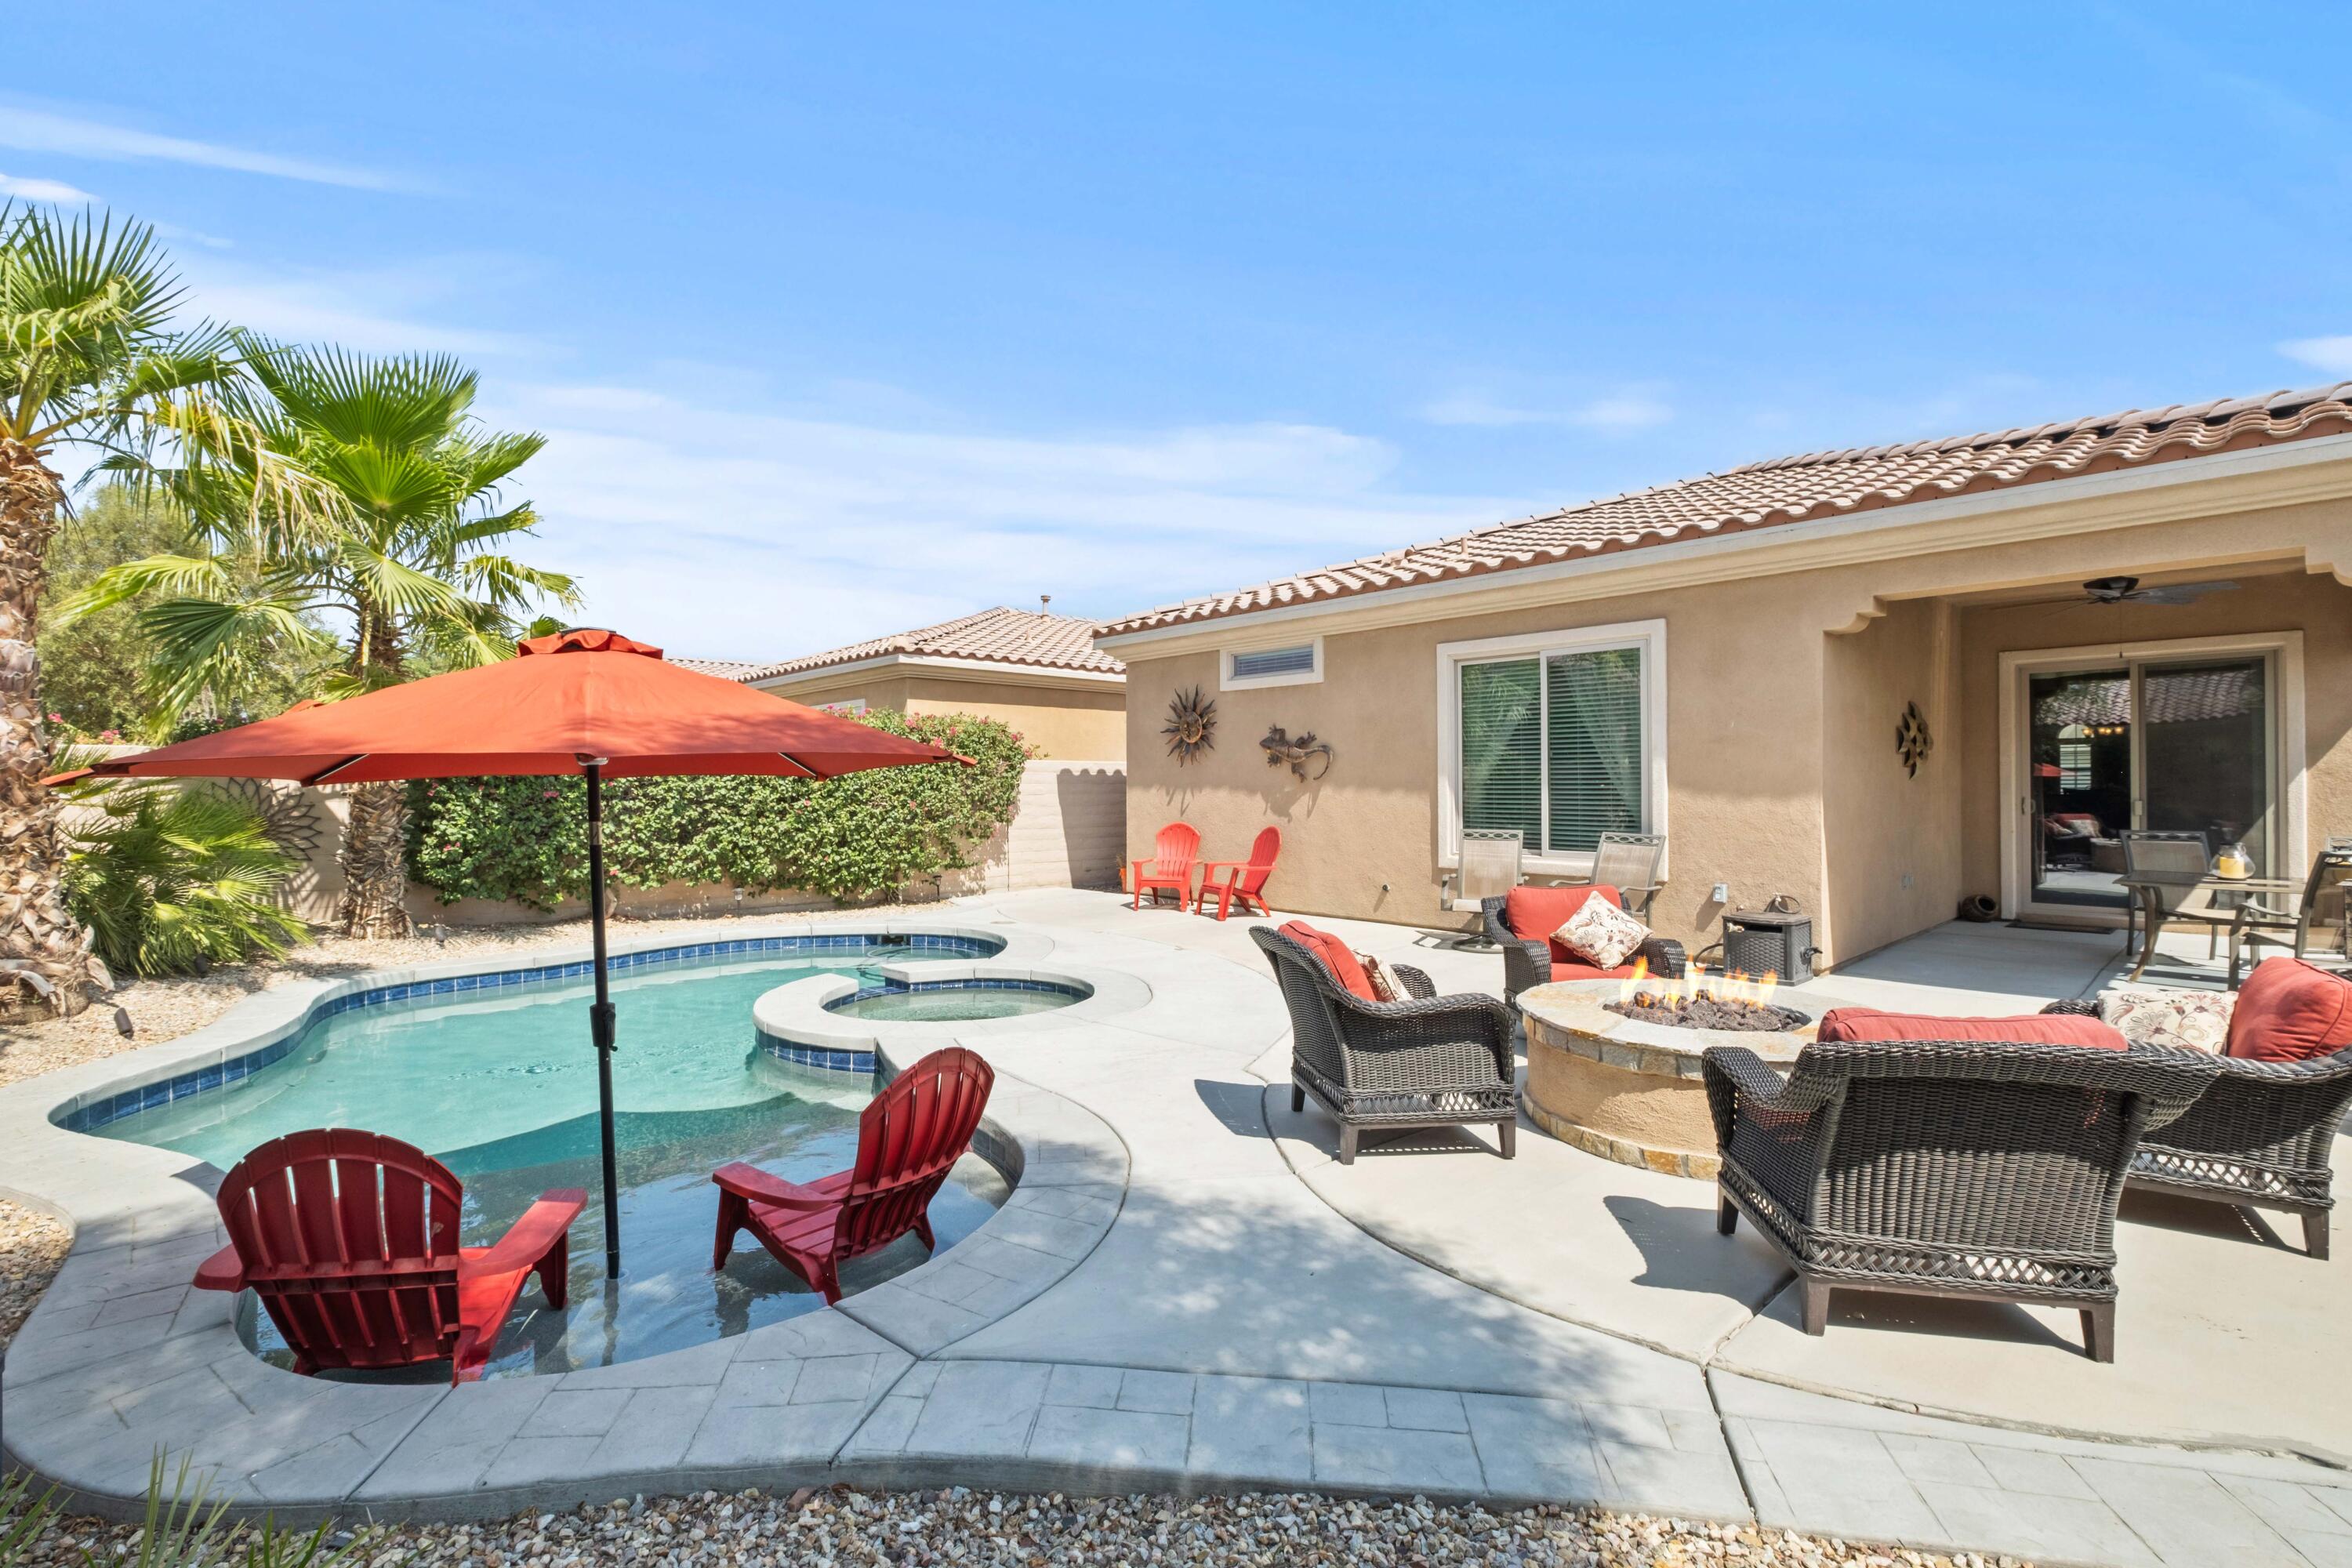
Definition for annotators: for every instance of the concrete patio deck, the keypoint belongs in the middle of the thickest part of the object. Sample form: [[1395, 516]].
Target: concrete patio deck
[[1186, 1292]]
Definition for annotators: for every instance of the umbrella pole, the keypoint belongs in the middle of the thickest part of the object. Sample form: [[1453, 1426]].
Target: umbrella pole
[[600, 1018]]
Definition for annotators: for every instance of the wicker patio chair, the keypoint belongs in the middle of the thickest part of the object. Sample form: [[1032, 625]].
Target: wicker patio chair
[[1527, 962], [1433, 1061], [1943, 1168], [2259, 1137]]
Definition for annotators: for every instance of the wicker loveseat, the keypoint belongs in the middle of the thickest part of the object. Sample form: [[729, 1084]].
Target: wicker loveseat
[[1520, 923], [1431, 1061], [2260, 1135], [1964, 1168]]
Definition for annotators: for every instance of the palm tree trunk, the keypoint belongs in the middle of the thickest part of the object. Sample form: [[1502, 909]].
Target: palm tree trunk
[[42, 950], [375, 862]]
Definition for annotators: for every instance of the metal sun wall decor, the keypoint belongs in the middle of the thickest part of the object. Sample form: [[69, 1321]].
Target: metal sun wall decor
[[1192, 724], [1912, 741], [1280, 749]]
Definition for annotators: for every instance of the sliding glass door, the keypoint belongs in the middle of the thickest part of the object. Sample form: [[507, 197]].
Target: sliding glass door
[[2182, 744]]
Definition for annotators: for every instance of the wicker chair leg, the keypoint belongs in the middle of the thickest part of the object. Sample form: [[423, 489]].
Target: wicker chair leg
[[1726, 1216], [1814, 1297], [1347, 1144], [2099, 1332], [1510, 1138], [2315, 1234], [1298, 1100]]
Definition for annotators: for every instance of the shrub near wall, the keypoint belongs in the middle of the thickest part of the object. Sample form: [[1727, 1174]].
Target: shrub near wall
[[526, 840]]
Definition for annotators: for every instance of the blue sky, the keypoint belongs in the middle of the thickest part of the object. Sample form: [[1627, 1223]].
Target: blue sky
[[846, 319]]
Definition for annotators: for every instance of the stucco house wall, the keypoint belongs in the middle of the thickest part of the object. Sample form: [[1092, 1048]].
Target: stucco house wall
[[1064, 723], [1786, 671]]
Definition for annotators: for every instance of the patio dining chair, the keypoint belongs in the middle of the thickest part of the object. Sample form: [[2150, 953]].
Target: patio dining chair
[[1489, 868], [2171, 853], [2319, 912], [350, 1240], [1629, 862]]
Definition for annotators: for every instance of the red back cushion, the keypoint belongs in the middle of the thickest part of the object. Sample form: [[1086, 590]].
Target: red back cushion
[[1337, 956], [2289, 1011], [1868, 1025], [2080, 822], [1534, 913]]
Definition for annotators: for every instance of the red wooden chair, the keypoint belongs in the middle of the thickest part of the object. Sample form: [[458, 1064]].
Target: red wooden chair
[[1170, 867], [350, 1239], [1245, 881], [907, 1139]]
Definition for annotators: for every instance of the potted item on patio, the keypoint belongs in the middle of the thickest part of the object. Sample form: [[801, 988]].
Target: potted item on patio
[[2260, 1134], [1243, 882], [1976, 1158], [908, 1139], [1414, 1060], [350, 1240], [1169, 869], [1533, 927]]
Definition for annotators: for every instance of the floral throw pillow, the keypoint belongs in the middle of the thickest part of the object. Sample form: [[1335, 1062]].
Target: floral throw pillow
[[2177, 1020], [1602, 935], [1384, 986]]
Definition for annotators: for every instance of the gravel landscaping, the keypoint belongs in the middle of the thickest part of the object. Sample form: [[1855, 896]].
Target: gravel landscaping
[[986, 1530]]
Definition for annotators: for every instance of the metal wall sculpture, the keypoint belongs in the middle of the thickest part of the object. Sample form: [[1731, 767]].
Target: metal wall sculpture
[[1299, 753], [1912, 741], [1192, 724]]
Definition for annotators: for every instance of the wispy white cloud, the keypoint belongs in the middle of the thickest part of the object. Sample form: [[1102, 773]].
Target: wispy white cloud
[[734, 533], [2333, 355], [42, 131], [387, 309], [1618, 412], [34, 190]]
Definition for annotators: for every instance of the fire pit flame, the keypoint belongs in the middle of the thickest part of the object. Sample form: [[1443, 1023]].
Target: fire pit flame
[[1700, 1000]]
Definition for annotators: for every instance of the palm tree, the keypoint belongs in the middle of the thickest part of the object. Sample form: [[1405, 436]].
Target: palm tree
[[395, 540], [88, 355]]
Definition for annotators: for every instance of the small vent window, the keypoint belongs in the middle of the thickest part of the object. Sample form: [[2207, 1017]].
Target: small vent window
[[1299, 664]]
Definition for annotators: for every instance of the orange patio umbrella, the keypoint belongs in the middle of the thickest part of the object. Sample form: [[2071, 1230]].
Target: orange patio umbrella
[[582, 702]]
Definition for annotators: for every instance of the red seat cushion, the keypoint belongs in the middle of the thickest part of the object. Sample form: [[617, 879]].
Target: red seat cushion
[[1579, 969], [1868, 1025], [2290, 1011], [1337, 956], [1534, 913]]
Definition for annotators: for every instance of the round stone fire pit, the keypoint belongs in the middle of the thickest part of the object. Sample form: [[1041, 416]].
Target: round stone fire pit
[[1629, 1091]]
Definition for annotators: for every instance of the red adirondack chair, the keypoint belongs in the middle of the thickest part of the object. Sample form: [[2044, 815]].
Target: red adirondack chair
[[1245, 881], [1170, 867], [350, 1239], [907, 1139]]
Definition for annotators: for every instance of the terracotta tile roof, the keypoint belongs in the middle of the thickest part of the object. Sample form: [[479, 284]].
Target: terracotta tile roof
[[1001, 636], [1799, 490]]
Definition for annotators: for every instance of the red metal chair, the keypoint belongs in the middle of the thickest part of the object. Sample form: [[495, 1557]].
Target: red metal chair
[[907, 1139], [1245, 881], [1171, 868], [350, 1239]]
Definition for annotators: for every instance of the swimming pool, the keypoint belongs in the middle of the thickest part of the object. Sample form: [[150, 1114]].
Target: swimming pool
[[957, 1001], [500, 1084]]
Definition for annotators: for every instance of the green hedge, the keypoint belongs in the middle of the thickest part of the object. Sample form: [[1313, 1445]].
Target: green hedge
[[525, 839]]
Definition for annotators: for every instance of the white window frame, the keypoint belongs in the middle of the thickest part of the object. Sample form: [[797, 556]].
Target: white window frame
[[1228, 681], [1648, 637]]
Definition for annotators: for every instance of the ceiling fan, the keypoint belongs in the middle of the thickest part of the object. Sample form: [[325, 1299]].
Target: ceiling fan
[[2127, 591]]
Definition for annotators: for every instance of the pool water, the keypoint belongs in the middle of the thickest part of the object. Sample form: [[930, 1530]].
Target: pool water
[[502, 1089], [951, 1003]]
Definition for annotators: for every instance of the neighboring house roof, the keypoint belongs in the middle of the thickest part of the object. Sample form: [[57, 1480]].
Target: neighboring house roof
[[2170, 696], [1001, 636], [1799, 490]]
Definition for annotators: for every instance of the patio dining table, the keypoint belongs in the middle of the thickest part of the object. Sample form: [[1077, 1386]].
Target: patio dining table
[[2160, 897]]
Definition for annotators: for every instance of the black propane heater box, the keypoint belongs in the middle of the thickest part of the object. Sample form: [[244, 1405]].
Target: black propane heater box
[[1775, 941]]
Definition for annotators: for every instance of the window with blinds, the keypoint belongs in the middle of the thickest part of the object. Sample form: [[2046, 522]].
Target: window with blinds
[[1552, 746]]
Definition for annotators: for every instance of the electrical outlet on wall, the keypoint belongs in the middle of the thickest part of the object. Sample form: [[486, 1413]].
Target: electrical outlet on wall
[[1906, 878], [1722, 894]]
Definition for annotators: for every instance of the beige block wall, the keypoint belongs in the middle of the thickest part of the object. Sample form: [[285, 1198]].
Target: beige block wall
[[1783, 690], [1077, 722]]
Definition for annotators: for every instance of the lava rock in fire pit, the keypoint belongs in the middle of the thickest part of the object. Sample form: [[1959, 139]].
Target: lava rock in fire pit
[[1706, 1013]]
